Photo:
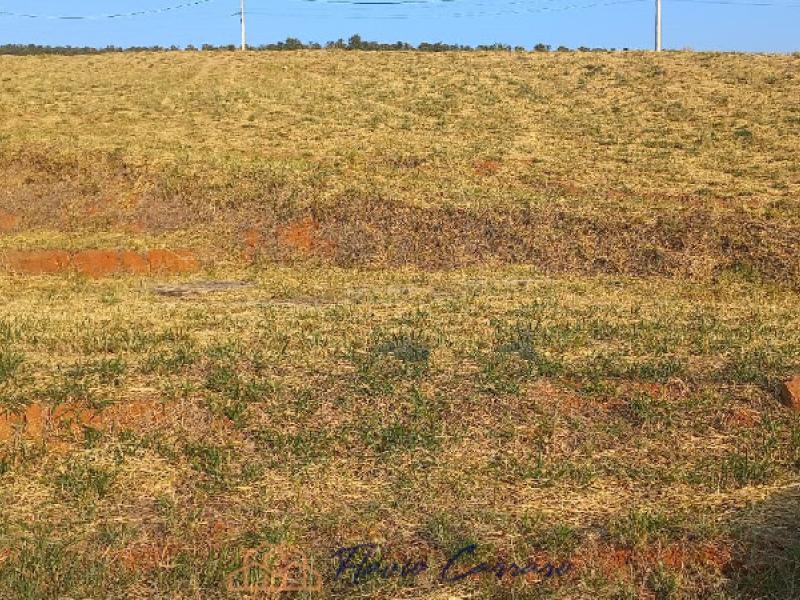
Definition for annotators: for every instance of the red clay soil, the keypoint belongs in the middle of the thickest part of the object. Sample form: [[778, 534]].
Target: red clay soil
[[743, 417], [158, 552], [790, 393], [303, 236], [145, 557], [38, 421], [132, 262], [99, 263], [253, 239], [616, 562], [36, 262], [487, 167], [172, 261], [8, 222]]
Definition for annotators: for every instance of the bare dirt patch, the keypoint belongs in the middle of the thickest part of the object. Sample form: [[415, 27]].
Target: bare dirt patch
[[304, 236], [146, 557], [253, 239], [790, 393], [172, 261], [37, 262], [8, 222], [621, 563], [40, 421], [487, 167], [134, 263], [99, 263]]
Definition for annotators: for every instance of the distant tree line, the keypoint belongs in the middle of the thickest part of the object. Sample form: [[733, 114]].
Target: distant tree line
[[354, 43]]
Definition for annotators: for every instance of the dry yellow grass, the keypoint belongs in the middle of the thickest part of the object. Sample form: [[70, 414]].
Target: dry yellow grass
[[609, 422], [593, 384], [682, 164], [414, 125]]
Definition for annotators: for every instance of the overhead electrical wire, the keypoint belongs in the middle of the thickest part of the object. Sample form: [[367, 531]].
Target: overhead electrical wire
[[138, 13], [520, 8], [360, 3], [460, 12], [468, 12], [736, 3]]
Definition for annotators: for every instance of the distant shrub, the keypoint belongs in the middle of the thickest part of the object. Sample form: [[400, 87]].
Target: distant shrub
[[355, 42]]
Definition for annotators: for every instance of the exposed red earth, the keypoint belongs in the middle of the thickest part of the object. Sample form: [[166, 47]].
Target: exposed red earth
[[487, 167], [8, 222], [620, 562], [790, 393], [133, 262], [304, 236], [39, 421], [36, 262], [172, 261], [99, 263], [253, 239]]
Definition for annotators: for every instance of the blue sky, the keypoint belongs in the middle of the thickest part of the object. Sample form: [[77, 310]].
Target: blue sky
[[738, 25]]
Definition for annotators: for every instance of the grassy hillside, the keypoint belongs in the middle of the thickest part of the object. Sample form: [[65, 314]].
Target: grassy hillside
[[537, 303], [681, 164]]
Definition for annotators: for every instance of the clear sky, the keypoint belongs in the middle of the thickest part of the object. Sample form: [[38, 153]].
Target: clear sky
[[744, 25]]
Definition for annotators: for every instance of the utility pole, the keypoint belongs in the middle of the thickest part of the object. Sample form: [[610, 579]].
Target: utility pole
[[244, 33], [658, 25]]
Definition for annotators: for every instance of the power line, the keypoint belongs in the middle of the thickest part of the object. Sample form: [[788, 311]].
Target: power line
[[378, 3], [138, 13], [362, 3], [487, 13], [734, 3], [513, 7]]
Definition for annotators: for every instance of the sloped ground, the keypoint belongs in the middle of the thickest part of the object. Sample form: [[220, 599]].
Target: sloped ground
[[679, 165], [536, 303]]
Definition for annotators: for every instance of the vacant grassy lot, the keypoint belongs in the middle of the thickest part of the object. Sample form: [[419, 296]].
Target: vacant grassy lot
[[681, 164], [538, 303], [609, 422]]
